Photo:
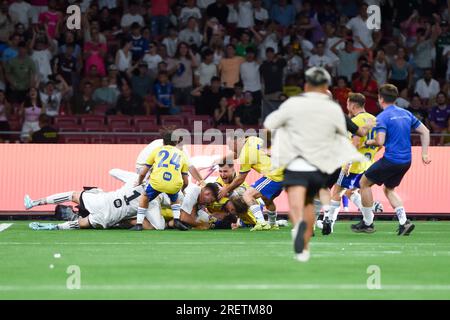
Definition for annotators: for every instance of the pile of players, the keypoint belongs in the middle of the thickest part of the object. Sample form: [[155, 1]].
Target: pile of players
[[159, 195]]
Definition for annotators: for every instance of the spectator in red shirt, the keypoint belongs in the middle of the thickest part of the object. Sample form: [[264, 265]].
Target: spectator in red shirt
[[367, 85], [341, 91], [238, 98], [51, 19], [160, 17]]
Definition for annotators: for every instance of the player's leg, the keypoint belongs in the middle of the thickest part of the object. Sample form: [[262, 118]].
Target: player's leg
[[52, 199], [148, 195], [296, 199], [250, 195], [366, 224], [398, 172], [175, 205], [271, 211], [268, 190], [81, 223], [330, 217]]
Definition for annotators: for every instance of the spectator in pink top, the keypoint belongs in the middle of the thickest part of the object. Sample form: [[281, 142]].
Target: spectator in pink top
[[94, 53], [30, 111], [51, 18]]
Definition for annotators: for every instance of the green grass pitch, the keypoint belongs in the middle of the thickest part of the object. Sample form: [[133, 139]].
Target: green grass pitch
[[119, 264]]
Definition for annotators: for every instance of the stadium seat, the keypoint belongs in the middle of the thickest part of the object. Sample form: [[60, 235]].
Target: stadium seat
[[99, 139], [145, 124], [66, 121], [95, 128], [15, 124], [124, 129], [206, 121], [72, 128], [101, 109], [119, 121], [128, 139], [92, 120], [75, 139], [172, 121]]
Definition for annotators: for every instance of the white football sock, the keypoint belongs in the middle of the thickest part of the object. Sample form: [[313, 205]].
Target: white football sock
[[141, 215], [256, 210], [326, 211], [334, 209], [356, 199], [176, 207], [401, 215], [59, 197], [272, 215], [367, 215], [317, 207]]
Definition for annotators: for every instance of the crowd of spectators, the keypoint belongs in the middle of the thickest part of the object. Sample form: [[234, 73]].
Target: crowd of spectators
[[230, 59]]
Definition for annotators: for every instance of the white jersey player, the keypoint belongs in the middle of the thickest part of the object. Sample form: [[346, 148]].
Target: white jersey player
[[97, 208]]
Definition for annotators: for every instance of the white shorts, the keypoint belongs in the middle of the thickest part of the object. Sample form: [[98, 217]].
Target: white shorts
[[28, 128]]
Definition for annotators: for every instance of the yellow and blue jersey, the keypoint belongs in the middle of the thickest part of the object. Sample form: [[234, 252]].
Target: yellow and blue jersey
[[217, 207], [168, 166], [253, 156], [368, 151]]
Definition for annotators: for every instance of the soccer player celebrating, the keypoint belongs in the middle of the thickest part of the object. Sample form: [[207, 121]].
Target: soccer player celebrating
[[251, 155], [351, 173], [224, 206], [393, 129], [169, 175]]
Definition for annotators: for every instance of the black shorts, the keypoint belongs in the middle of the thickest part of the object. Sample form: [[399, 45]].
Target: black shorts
[[333, 178], [313, 181], [82, 211], [388, 173]]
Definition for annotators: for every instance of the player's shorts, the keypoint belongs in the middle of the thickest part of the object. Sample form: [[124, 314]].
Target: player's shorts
[[268, 188], [152, 194], [313, 181], [388, 173], [82, 211], [349, 182], [332, 178]]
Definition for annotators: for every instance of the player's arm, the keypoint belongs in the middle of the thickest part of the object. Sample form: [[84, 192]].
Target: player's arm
[[378, 141], [237, 181], [196, 175], [148, 164], [425, 141]]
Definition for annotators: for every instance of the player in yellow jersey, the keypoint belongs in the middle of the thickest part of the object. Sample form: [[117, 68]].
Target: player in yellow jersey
[[228, 205], [348, 181], [252, 155], [169, 175]]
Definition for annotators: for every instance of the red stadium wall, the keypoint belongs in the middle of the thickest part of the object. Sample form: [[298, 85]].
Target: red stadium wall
[[40, 170]]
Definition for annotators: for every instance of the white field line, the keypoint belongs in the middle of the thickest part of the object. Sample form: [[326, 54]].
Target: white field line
[[4, 226], [175, 242], [225, 287]]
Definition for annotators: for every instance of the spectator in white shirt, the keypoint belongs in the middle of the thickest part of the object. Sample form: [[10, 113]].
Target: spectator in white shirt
[[132, 16], [359, 28], [171, 42], [261, 15], [43, 50], [244, 10], [427, 88], [190, 10], [20, 12], [320, 59], [152, 58], [207, 69], [250, 75], [190, 35]]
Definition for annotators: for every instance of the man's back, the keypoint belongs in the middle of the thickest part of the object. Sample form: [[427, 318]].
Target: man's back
[[397, 124]]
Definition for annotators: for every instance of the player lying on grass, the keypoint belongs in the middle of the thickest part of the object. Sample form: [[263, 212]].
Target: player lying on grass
[[97, 208], [251, 154], [351, 173], [169, 175]]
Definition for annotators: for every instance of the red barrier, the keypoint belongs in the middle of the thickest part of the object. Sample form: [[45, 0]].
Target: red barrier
[[40, 170]]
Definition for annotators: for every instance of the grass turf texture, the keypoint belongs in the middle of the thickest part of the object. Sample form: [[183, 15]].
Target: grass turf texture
[[119, 264]]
